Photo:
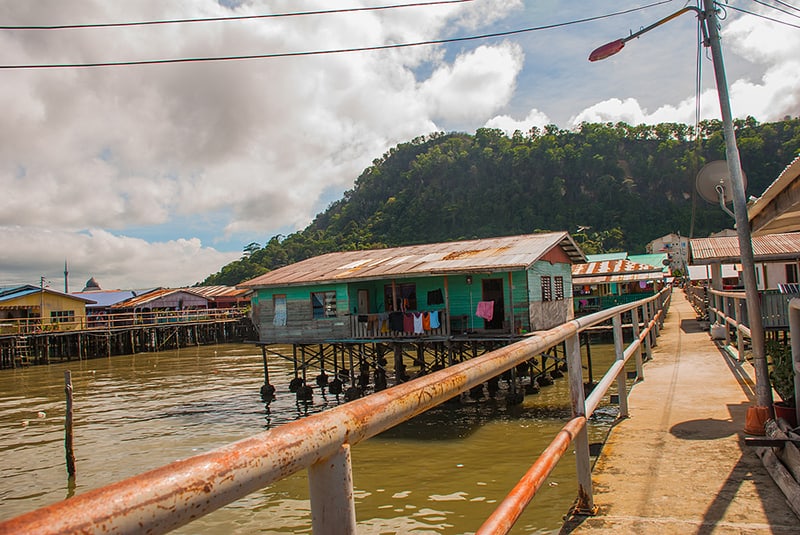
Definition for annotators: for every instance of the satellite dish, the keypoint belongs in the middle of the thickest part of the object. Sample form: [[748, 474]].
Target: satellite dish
[[714, 180]]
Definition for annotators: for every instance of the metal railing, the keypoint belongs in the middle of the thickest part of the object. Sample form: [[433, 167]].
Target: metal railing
[[36, 324], [726, 308], [794, 329], [173, 495]]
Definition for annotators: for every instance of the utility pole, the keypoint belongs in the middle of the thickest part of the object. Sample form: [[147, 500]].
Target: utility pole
[[758, 414], [762, 411]]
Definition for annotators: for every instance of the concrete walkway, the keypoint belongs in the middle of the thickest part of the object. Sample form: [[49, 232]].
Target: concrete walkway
[[679, 463]]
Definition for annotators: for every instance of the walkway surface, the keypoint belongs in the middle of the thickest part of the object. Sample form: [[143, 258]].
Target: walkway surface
[[679, 463]]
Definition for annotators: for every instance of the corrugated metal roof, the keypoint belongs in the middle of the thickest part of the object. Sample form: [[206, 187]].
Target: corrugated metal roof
[[13, 292], [613, 267], [138, 301], [606, 256], [213, 292], [725, 249], [105, 298], [484, 255], [16, 294], [778, 208], [624, 277]]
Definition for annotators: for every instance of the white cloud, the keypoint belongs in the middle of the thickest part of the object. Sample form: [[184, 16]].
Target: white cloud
[[509, 125], [261, 141], [476, 85], [115, 261], [240, 148], [767, 87]]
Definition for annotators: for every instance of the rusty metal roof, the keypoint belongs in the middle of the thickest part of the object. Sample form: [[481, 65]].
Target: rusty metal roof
[[725, 249], [138, 301], [778, 208], [472, 256], [216, 292], [614, 271]]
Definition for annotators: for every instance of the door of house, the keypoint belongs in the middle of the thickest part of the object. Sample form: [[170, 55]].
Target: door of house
[[363, 301], [493, 291]]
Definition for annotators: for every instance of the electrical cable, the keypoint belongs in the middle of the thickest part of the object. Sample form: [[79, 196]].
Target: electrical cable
[[759, 15], [787, 5], [227, 19], [330, 51], [777, 8]]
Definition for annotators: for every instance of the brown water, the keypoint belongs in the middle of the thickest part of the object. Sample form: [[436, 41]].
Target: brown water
[[444, 472]]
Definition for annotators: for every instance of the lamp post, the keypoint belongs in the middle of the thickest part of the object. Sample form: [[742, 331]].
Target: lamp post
[[762, 410]]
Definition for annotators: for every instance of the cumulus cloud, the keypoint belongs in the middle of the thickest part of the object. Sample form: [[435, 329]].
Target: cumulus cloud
[[509, 125], [251, 145], [162, 159], [767, 86], [115, 261], [477, 84]]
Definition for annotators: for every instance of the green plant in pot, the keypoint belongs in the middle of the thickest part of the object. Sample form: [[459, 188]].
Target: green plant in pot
[[781, 375]]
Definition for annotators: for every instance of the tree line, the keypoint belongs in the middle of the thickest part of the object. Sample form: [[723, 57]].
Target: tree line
[[614, 187]]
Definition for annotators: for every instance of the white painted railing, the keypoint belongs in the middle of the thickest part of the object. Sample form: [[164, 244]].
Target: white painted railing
[[173, 495]]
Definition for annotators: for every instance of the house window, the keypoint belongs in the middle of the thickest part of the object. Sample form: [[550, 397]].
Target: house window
[[791, 273], [279, 304], [323, 304], [547, 288], [62, 316], [406, 297], [559, 288]]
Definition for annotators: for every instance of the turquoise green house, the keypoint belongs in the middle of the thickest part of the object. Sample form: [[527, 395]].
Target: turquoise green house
[[506, 285]]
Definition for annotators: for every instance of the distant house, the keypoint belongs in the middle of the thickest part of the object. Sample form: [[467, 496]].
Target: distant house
[[702, 275], [162, 300], [604, 284], [493, 285], [224, 296], [776, 258], [675, 246], [27, 308]]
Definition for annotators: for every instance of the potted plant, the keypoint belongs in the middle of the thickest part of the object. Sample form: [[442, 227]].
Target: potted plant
[[781, 375]]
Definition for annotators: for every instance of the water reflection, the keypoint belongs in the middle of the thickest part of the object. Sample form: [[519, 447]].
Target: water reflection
[[443, 472]]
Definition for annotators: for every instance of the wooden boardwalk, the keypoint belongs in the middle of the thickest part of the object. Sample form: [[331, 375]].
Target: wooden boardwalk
[[679, 463]]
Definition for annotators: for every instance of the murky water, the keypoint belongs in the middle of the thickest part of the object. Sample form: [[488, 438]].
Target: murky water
[[443, 472]]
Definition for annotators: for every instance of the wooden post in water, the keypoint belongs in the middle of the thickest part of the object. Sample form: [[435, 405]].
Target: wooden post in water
[[68, 425]]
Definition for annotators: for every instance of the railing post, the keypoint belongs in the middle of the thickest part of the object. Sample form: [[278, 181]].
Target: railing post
[[585, 503], [330, 483], [739, 337], [794, 330], [654, 330], [726, 313], [622, 387], [638, 354], [648, 340]]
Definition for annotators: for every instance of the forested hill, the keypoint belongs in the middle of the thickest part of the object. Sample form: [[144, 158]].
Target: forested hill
[[621, 185]]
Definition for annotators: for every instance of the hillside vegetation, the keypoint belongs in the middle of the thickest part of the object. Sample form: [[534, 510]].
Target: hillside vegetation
[[612, 186]]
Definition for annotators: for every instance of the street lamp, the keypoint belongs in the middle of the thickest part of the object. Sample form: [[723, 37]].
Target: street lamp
[[758, 414]]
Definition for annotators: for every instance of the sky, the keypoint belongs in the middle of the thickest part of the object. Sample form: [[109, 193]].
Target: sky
[[160, 174]]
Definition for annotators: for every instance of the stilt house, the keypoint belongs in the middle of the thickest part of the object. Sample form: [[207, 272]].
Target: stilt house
[[507, 285]]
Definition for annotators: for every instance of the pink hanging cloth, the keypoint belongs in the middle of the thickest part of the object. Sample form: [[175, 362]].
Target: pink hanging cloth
[[485, 310]]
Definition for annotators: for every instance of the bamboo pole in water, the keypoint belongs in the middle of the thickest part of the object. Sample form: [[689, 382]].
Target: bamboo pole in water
[[68, 425]]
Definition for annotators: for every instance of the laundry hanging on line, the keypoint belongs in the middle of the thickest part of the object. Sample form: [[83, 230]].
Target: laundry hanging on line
[[485, 310]]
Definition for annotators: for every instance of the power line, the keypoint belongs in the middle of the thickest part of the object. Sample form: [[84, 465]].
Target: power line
[[759, 15], [330, 51], [777, 8], [227, 19], [785, 4]]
